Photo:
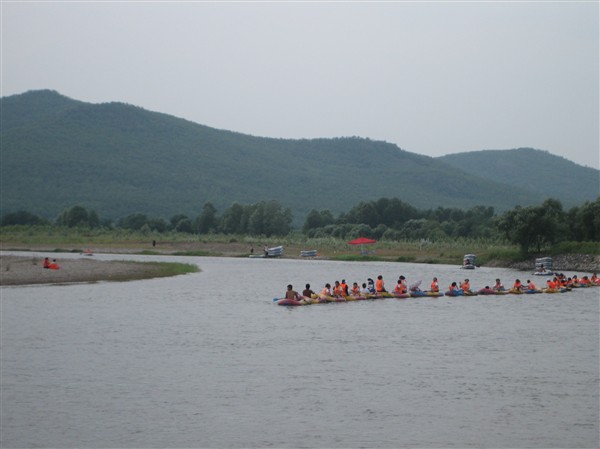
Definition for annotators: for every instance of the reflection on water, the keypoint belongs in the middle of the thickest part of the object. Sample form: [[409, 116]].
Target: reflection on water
[[207, 360]]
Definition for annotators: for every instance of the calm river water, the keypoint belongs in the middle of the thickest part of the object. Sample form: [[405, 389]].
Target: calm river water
[[208, 360]]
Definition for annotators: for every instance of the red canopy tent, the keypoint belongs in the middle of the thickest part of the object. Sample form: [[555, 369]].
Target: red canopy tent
[[362, 241]]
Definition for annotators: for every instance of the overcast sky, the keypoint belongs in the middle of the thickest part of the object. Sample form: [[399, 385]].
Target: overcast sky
[[432, 77]]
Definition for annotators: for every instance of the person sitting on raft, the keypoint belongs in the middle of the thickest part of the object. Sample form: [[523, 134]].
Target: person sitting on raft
[[371, 285], [455, 289], [435, 287], [517, 286], [364, 291], [401, 285], [54, 265], [326, 290], [338, 290], [466, 286], [46, 263], [530, 285], [344, 287], [291, 293], [355, 289], [584, 281], [380, 285], [307, 291], [399, 288], [498, 286]]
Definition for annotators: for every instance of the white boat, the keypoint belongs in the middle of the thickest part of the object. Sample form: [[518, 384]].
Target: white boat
[[469, 262], [276, 251], [308, 253]]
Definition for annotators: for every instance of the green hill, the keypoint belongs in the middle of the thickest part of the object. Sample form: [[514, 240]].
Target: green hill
[[119, 159], [535, 170]]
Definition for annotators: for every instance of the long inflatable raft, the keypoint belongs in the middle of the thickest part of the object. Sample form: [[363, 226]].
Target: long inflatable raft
[[415, 294], [317, 299]]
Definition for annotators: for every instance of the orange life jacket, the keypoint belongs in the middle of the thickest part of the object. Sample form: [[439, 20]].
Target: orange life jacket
[[379, 285], [344, 288], [435, 286]]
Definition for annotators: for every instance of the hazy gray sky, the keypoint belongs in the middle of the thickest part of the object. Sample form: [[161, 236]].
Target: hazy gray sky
[[432, 77]]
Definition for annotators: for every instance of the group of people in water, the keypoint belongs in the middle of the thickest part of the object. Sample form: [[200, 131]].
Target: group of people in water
[[377, 287], [51, 265]]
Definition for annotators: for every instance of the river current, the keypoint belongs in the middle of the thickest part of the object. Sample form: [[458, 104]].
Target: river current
[[208, 360]]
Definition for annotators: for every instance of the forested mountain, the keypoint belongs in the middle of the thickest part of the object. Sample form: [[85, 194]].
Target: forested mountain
[[119, 159], [535, 170]]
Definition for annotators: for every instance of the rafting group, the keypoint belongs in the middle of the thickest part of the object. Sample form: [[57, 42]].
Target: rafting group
[[342, 291]]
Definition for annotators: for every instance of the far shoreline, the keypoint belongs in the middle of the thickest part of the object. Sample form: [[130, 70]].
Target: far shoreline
[[125, 270]]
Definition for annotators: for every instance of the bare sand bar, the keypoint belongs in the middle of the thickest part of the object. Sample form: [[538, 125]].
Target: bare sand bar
[[23, 270]]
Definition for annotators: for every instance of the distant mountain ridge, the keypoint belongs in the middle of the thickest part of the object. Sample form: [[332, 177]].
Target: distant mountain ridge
[[119, 159], [535, 170]]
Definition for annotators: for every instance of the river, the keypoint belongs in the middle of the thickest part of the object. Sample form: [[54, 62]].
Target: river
[[208, 360]]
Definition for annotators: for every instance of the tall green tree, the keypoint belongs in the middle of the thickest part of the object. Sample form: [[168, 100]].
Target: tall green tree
[[207, 221], [535, 226]]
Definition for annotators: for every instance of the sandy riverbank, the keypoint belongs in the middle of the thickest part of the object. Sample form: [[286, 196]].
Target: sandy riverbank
[[23, 270]]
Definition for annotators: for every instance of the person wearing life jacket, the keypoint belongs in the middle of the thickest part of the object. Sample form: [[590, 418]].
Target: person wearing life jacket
[[326, 290], [53, 265], [553, 284], [435, 286], [517, 286], [575, 279], [402, 281], [595, 279], [401, 285], [380, 285], [466, 286], [399, 288], [344, 287], [530, 285], [46, 263], [337, 289], [355, 289], [584, 281]]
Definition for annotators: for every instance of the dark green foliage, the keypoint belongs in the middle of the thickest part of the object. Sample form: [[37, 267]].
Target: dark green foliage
[[584, 222], [135, 222], [116, 158], [78, 217], [22, 218], [534, 227]]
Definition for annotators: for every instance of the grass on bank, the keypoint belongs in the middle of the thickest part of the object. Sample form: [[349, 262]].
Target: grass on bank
[[164, 269], [418, 251]]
